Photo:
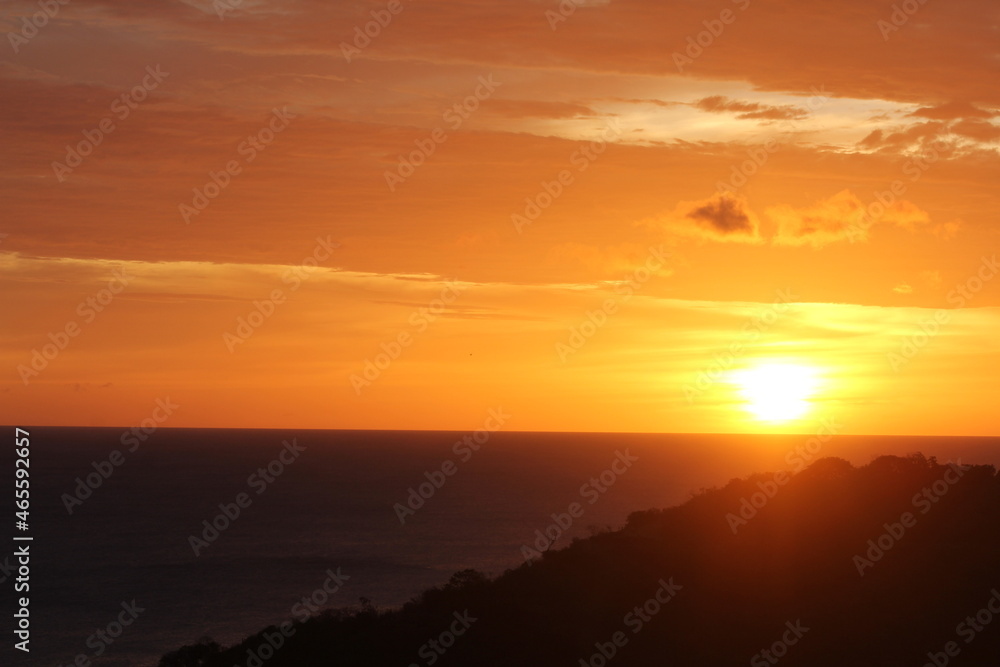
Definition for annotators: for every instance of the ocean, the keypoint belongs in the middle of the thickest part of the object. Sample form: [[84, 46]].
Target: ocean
[[316, 503]]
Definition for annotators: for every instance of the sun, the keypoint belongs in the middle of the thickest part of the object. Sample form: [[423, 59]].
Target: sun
[[776, 392]]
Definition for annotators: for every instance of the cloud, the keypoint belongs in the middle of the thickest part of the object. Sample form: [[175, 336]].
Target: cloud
[[836, 46], [947, 230], [724, 216], [945, 135], [919, 136], [721, 217], [327, 171], [873, 139], [903, 289], [654, 102], [952, 111], [979, 130], [833, 219], [750, 110]]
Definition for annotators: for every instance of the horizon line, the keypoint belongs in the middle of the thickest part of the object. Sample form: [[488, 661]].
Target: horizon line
[[528, 432]]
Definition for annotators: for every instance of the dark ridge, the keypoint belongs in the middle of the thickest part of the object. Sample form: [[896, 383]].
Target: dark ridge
[[800, 567]]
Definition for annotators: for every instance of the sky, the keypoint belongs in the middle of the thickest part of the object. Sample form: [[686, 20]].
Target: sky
[[603, 215]]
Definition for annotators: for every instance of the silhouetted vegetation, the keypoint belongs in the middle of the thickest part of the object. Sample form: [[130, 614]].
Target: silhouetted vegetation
[[791, 560]]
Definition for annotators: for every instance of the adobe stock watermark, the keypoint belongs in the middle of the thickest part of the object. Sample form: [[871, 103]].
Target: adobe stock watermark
[[31, 25], [259, 481], [247, 149], [968, 629], [550, 191], [592, 490], [103, 638], [635, 621], [924, 500], [301, 610], [273, 641], [929, 327], [364, 34], [915, 168], [565, 9], [263, 310], [22, 584], [121, 108], [900, 16], [696, 44], [454, 116], [464, 449], [752, 330], [315, 601], [103, 469], [432, 650], [420, 320], [757, 156], [801, 455], [223, 7], [624, 289], [779, 649], [804, 454], [88, 310], [7, 569]]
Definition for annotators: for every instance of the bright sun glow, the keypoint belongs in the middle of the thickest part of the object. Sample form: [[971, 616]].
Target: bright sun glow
[[776, 392]]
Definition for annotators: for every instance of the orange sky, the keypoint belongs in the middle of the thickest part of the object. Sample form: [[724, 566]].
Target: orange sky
[[810, 186]]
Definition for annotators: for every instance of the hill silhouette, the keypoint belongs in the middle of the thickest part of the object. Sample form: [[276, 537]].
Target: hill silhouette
[[893, 563]]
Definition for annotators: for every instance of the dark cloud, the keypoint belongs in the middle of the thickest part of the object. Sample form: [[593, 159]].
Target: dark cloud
[[721, 217], [750, 110]]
